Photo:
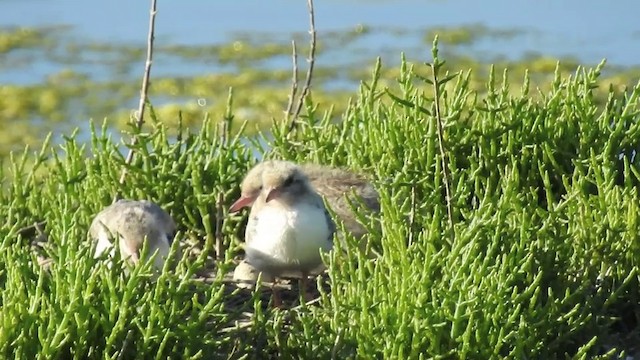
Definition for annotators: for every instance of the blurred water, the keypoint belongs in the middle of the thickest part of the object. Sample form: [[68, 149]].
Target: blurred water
[[586, 31]]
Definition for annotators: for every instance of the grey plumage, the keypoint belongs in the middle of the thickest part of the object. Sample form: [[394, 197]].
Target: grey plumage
[[336, 186], [132, 222]]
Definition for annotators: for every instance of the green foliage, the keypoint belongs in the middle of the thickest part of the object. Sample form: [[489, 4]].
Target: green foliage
[[546, 221], [543, 263], [81, 308]]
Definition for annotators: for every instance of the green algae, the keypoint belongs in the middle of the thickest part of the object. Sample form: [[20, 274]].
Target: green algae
[[99, 81]]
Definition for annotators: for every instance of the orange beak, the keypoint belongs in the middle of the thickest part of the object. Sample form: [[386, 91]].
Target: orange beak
[[243, 201]]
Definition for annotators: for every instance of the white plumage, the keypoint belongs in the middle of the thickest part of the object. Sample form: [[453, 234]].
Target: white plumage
[[288, 226], [288, 238]]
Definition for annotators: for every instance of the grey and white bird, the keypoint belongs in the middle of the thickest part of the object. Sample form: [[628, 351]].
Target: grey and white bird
[[336, 185], [340, 188], [288, 225], [134, 222]]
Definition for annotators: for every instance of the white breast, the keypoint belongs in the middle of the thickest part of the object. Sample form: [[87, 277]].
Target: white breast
[[104, 244], [289, 238]]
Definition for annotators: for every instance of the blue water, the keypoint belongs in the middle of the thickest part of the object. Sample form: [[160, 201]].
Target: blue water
[[566, 28], [588, 31]]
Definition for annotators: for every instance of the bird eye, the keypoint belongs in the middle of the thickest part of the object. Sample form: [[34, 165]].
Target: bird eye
[[289, 181]]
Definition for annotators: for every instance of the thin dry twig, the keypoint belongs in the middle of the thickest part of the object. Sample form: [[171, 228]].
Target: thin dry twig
[[412, 214], [32, 229], [125, 343], [219, 224], [306, 304], [443, 152], [311, 60], [294, 80], [237, 326], [225, 128], [144, 89]]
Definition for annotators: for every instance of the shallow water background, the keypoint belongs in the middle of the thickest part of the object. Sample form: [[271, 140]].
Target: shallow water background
[[555, 28]]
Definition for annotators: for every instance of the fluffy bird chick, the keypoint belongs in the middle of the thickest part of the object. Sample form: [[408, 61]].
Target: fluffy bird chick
[[335, 185], [288, 225], [132, 222]]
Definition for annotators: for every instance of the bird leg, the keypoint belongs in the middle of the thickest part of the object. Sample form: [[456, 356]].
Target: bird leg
[[275, 296], [302, 284]]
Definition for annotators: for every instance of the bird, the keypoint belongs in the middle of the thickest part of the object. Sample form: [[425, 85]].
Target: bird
[[134, 222], [333, 184], [288, 225]]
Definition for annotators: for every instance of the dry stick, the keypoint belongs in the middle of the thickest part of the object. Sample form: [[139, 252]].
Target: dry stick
[[311, 60], [32, 229], [334, 350], [236, 327], [294, 80], [308, 303], [143, 91], [219, 224], [225, 127], [412, 214], [125, 343], [443, 153]]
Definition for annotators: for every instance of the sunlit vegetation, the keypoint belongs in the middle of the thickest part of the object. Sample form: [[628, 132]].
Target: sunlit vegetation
[[538, 259]]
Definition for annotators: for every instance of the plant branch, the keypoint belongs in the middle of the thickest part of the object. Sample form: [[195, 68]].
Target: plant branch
[[33, 229], [412, 214], [219, 224], [125, 343], [144, 89], [311, 60], [294, 80], [443, 152]]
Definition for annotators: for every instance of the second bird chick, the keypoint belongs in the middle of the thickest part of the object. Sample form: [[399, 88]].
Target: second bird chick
[[133, 222]]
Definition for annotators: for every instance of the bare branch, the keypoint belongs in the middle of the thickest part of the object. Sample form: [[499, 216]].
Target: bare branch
[[412, 214], [33, 229], [311, 60], [219, 224], [294, 80], [145, 88], [443, 152], [125, 343]]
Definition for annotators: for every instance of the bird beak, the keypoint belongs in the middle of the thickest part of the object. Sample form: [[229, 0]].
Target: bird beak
[[130, 253], [273, 193], [243, 201]]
